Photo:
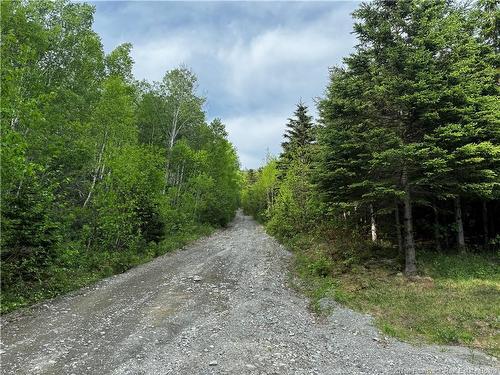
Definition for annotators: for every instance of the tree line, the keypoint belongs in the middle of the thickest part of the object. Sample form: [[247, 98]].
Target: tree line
[[99, 170], [406, 148]]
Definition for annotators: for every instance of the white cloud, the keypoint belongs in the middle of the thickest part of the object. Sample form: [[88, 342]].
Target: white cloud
[[154, 58], [276, 58], [253, 67], [288, 58], [261, 132]]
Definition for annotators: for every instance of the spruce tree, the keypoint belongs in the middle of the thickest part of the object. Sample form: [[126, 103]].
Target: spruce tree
[[411, 75], [298, 135]]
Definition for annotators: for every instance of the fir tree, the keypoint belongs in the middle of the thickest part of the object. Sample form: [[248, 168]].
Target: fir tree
[[299, 134]]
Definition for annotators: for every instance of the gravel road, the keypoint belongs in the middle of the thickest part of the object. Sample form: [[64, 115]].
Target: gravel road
[[219, 306]]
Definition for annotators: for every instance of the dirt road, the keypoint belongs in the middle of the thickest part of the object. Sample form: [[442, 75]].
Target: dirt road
[[219, 306]]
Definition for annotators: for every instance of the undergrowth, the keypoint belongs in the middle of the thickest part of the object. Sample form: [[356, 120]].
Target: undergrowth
[[86, 267], [455, 300]]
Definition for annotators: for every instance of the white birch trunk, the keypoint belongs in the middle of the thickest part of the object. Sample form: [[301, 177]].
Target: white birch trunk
[[96, 172], [373, 225], [172, 136]]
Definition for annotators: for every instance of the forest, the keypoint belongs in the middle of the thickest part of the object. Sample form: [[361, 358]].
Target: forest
[[100, 171], [407, 145], [389, 197], [400, 174]]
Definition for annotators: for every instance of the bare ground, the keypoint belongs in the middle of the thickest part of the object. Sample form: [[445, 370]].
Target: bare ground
[[219, 306]]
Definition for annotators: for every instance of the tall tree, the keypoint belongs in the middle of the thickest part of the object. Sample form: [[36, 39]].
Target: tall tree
[[97, 168], [298, 135], [397, 87], [183, 108], [113, 126]]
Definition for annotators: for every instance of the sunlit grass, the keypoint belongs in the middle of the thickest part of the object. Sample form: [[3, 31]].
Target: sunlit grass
[[455, 301]]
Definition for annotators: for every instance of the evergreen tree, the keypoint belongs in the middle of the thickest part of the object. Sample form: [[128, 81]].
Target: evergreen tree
[[298, 135], [415, 73]]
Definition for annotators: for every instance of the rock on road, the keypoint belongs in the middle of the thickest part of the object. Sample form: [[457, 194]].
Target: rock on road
[[219, 306]]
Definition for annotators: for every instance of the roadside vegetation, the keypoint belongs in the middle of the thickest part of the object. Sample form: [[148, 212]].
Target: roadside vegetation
[[455, 300], [391, 198], [100, 172]]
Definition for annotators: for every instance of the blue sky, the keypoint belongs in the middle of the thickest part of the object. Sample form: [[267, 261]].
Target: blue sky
[[254, 60]]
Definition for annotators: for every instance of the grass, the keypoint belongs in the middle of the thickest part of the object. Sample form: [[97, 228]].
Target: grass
[[455, 301], [87, 268]]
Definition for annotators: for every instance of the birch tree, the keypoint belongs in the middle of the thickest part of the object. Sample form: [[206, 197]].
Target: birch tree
[[183, 109]]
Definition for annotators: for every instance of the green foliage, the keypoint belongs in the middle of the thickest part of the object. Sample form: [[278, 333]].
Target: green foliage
[[470, 266], [30, 233], [405, 157], [259, 192], [99, 172], [406, 120], [127, 194], [297, 208], [119, 62], [298, 136], [456, 302], [320, 265], [410, 120]]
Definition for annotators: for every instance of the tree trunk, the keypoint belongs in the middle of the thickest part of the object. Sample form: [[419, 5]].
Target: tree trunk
[[410, 261], [398, 229], [179, 183], [460, 225], [13, 122], [101, 174], [96, 172], [373, 225], [485, 224], [92, 186], [170, 146], [167, 163], [437, 235]]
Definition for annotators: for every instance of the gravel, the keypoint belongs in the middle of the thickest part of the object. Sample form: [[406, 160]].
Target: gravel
[[219, 306]]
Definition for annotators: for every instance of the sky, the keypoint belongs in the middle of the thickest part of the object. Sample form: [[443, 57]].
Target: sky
[[254, 60]]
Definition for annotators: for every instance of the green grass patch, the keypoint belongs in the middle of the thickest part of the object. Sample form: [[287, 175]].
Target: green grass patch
[[84, 268], [455, 301]]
